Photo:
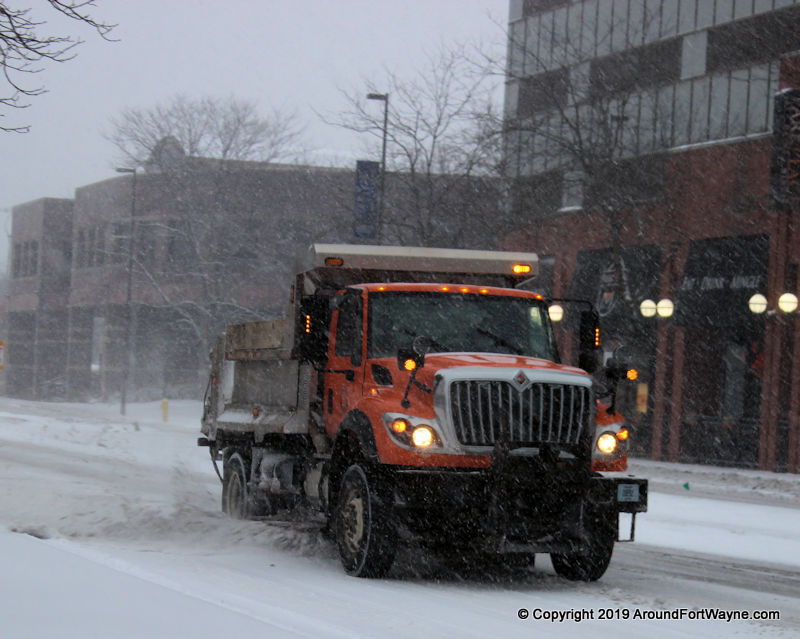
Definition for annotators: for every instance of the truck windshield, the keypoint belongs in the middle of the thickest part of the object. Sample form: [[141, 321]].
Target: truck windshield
[[459, 323]]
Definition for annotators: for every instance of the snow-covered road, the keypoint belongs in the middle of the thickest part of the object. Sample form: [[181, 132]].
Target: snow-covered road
[[110, 527]]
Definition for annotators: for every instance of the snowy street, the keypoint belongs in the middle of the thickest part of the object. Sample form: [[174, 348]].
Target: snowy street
[[110, 527]]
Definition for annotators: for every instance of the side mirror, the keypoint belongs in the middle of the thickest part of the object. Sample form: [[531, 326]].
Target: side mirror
[[616, 371], [422, 345], [409, 359], [589, 341], [618, 367]]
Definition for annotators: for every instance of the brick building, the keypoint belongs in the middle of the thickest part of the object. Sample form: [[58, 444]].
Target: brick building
[[213, 244], [668, 198]]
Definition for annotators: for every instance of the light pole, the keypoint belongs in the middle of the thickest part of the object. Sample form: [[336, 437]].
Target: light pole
[[384, 97], [126, 370]]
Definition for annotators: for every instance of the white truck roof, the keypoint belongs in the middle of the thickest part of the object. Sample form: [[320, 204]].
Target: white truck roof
[[418, 259]]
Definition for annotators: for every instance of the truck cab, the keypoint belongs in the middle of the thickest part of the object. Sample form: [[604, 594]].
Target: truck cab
[[418, 394]]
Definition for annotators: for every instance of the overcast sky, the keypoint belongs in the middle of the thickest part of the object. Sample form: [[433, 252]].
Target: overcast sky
[[288, 53]]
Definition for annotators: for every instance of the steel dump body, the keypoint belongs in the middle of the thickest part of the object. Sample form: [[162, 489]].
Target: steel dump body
[[485, 447]]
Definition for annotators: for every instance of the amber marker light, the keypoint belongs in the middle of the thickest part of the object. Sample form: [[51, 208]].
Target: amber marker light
[[410, 364], [445, 288], [484, 290], [597, 338], [465, 290], [632, 374], [308, 323], [623, 434], [422, 436], [381, 288], [334, 261], [521, 269], [399, 425]]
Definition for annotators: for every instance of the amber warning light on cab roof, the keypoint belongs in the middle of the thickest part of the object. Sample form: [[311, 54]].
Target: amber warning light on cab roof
[[521, 269]]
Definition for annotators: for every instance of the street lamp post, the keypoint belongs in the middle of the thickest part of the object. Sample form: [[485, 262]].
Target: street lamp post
[[128, 295], [384, 97]]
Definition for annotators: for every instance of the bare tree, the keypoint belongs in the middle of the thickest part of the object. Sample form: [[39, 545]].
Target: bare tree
[[217, 223], [221, 128], [444, 161], [24, 47]]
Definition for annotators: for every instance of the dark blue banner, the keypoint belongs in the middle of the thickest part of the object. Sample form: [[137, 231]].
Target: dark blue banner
[[365, 214]]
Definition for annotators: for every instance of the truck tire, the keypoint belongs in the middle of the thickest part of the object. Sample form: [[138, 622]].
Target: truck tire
[[235, 494], [364, 530], [589, 562]]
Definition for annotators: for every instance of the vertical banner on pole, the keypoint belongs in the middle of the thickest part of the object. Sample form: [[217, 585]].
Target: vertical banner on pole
[[365, 214]]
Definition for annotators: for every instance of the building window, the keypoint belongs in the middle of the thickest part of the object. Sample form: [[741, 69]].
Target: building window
[[25, 259], [705, 14], [669, 17], [542, 92], [758, 99], [699, 118], [16, 260], [146, 243], [100, 246], [688, 14], [80, 250], [718, 113], [119, 243], [529, 7], [572, 196], [693, 58], [652, 65], [179, 242], [33, 258], [90, 245], [538, 195], [753, 40], [516, 49], [737, 114], [619, 28], [682, 113], [603, 27], [723, 11]]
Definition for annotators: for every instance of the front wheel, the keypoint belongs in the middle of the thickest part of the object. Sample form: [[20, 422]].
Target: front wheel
[[364, 530], [590, 561]]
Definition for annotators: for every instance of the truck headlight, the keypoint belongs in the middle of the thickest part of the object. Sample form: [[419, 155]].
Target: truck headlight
[[607, 443], [422, 436], [412, 432]]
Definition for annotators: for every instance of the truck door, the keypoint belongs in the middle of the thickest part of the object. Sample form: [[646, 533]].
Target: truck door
[[343, 376]]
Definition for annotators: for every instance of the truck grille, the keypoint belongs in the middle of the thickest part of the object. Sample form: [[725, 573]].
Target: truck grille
[[541, 413]]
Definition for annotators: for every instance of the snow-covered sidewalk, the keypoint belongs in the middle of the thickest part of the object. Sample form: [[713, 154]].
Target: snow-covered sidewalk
[[49, 592]]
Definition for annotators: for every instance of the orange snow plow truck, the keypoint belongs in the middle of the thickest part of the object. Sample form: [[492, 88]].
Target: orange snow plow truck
[[413, 394]]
